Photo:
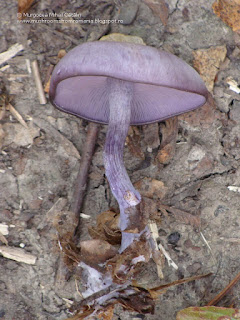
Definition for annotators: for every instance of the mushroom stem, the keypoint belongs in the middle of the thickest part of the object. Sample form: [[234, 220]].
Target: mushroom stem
[[119, 120]]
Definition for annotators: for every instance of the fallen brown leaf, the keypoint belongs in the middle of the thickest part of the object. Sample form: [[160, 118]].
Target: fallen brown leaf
[[159, 8], [207, 63], [229, 12], [107, 227], [151, 188], [24, 6]]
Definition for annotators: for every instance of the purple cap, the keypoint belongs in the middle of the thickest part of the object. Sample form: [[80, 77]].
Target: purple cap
[[164, 85]]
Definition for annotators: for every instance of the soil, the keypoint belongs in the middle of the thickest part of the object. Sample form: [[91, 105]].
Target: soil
[[39, 165]]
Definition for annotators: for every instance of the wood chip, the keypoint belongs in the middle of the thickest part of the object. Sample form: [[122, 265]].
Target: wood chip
[[233, 85], [17, 254], [4, 229], [11, 52]]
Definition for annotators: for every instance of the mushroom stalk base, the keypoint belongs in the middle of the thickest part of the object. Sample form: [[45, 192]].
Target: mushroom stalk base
[[119, 120]]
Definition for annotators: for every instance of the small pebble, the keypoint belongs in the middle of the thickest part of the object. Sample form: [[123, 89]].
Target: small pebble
[[220, 210], [173, 238]]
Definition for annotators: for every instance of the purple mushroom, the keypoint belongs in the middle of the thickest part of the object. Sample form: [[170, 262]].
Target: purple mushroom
[[123, 84]]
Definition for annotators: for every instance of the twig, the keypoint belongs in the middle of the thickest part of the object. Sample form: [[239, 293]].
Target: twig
[[208, 245], [215, 300], [81, 183], [60, 34], [17, 115], [40, 91], [154, 232], [84, 167], [169, 259]]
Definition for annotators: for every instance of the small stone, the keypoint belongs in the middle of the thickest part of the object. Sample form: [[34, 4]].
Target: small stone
[[220, 210], [128, 13], [235, 111], [194, 268], [222, 99], [173, 238], [2, 313], [35, 204]]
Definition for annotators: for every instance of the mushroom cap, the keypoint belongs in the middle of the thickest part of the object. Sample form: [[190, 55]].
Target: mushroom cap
[[164, 85]]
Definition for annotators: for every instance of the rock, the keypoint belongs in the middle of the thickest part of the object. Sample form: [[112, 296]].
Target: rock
[[128, 13], [234, 113], [222, 99], [123, 38]]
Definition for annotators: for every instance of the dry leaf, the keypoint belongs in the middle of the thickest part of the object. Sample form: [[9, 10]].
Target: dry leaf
[[159, 8], [207, 63], [23, 7], [151, 188], [229, 12], [107, 227]]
